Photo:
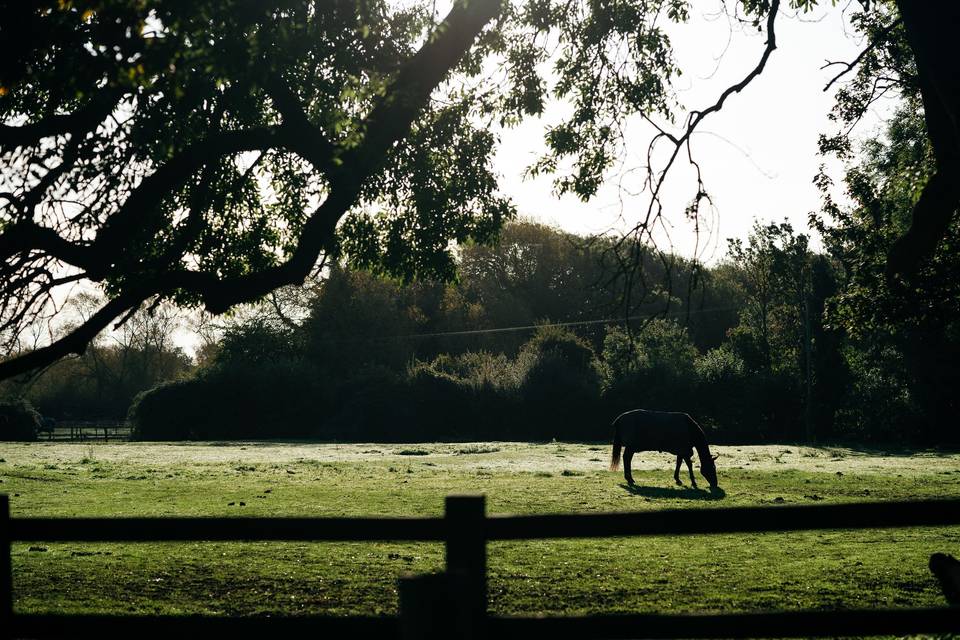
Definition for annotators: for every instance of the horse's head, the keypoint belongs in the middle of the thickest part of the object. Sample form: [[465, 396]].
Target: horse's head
[[709, 470]]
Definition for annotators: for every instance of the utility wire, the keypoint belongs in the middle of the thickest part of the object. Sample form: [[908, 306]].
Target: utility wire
[[573, 323]]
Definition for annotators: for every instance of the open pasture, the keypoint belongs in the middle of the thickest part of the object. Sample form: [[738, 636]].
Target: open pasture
[[820, 569]]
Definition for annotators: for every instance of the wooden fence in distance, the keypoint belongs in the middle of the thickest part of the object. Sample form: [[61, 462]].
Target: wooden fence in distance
[[104, 430], [454, 603]]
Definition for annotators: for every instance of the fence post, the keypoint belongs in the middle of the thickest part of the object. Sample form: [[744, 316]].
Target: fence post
[[425, 607], [946, 568], [6, 570], [467, 563]]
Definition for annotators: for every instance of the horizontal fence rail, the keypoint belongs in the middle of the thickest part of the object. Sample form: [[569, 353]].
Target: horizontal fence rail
[[226, 529], [100, 626], [784, 624], [453, 603], [166, 627], [736, 625], [875, 515]]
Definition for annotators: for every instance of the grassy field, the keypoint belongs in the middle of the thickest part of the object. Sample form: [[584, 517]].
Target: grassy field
[[821, 570]]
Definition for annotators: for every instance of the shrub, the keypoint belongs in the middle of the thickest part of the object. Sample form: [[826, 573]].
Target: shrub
[[719, 366], [653, 369], [722, 385], [478, 369], [272, 399], [440, 406], [169, 411], [372, 405], [560, 387], [19, 421]]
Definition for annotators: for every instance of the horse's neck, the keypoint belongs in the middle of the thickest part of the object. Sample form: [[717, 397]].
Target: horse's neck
[[699, 441]]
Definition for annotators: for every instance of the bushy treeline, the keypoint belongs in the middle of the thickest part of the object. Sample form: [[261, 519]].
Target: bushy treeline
[[529, 344], [375, 359], [746, 347]]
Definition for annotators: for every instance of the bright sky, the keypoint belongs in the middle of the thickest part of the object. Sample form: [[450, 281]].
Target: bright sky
[[758, 154]]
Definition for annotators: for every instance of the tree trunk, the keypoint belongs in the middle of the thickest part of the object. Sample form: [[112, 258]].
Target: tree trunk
[[931, 30]]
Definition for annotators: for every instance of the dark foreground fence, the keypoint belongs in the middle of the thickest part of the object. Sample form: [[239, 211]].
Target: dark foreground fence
[[453, 604]]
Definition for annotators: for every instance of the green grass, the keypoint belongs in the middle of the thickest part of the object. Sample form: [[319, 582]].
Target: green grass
[[819, 570]]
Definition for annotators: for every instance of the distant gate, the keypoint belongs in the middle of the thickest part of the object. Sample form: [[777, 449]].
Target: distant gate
[[454, 603]]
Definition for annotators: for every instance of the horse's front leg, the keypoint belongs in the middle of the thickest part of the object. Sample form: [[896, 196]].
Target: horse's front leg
[[690, 469], [627, 457], [676, 472]]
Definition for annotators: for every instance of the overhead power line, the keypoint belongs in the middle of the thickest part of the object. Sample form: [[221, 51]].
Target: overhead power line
[[572, 323]]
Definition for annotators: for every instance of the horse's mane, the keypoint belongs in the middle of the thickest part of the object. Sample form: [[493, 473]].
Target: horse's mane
[[699, 438]]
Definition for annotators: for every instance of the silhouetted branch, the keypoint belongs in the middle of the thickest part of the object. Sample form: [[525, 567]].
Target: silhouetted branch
[[80, 121], [134, 214], [850, 66], [388, 122], [75, 341], [930, 31], [27, 235], [644, 229]]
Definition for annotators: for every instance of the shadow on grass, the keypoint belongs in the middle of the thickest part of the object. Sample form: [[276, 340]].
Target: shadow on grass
[[682, 493]]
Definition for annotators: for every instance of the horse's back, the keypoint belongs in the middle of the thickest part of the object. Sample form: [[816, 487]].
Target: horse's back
[[645, 430]]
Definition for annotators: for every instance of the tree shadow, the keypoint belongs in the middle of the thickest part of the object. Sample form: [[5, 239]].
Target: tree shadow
[[682, 493]]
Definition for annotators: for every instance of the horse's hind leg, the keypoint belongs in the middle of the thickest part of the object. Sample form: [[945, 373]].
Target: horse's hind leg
[[690, 469], [676, 472], [627, 457]]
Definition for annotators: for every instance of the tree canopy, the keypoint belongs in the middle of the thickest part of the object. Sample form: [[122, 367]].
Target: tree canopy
[[210, 152]]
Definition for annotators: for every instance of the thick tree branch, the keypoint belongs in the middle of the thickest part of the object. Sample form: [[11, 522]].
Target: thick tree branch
[[80, 121], [410, 90], [930, 32], [389, 121], [28, 236], [298, 133], [134, 215], [74, 342]]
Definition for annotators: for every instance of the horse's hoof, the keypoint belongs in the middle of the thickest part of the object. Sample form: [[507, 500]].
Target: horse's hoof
[[679, 484]]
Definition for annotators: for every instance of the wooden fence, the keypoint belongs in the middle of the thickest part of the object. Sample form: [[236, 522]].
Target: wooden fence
[[104, 430], [454, 603]]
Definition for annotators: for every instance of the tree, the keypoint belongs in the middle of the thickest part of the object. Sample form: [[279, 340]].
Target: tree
[[653, 368], [908, 51], [928, 30], [210, 152], [358, 320], [114, 368], [174, 150], [891, 327], [904, 191], [781, 328]]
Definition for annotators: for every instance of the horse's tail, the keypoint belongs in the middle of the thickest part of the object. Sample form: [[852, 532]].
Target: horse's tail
[[617, 444]]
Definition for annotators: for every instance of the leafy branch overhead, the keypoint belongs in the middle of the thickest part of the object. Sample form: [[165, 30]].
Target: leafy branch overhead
[[206, 152], [209, 152]]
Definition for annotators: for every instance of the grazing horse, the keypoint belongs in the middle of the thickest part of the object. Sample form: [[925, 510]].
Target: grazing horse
[[670, 432]]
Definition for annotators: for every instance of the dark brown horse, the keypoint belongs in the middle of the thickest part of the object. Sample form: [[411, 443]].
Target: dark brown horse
[[676, 433]]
